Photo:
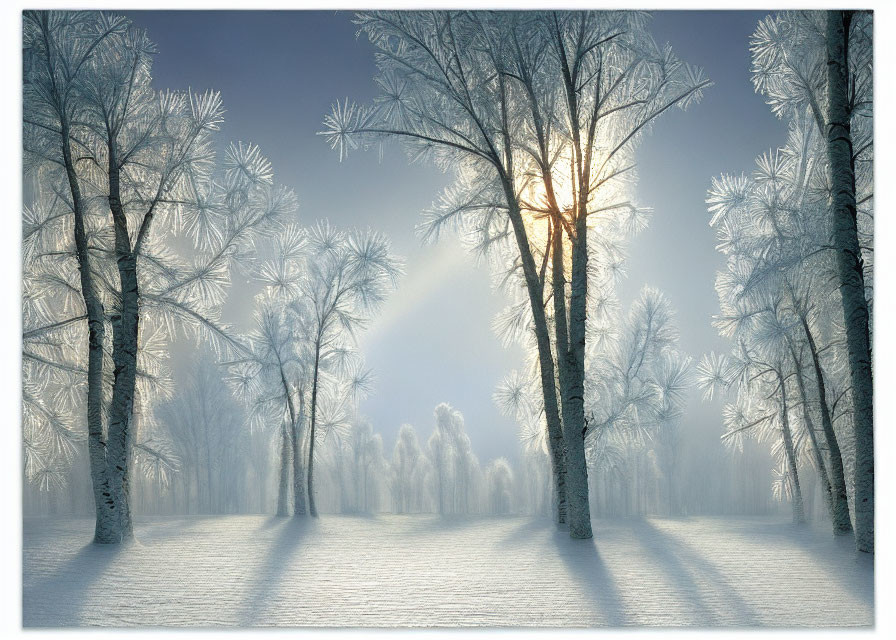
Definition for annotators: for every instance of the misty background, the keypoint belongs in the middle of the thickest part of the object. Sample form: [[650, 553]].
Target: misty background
[[279, 73]]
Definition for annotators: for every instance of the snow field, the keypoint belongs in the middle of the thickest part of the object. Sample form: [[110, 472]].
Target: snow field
[[420, 571]]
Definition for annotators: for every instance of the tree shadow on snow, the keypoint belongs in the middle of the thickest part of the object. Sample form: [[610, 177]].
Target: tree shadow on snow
[[696, 580], [583, 560], [57, 599], [834, 555], [264, 588]]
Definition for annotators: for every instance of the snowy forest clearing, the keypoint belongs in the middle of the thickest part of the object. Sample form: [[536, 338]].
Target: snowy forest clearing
[[420, 571]]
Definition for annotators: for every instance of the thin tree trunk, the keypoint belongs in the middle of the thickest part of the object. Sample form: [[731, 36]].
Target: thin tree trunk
[[283, 486], [312, 508], [799, 514], [441, 488], [555, 427], [298, 470], [295, 433], [840, 506], [534, 288], [104, 530], [826, 490], [850, 267]]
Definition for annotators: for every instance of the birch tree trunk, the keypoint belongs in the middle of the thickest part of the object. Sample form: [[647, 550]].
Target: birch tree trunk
[[850, 267], [556, 445], [312, 508], [799, 514], [283, 486], [577, 473], [826, 490], [573, 359], [574, 392], [555, 427], [104, 530], [124, 356], [840, 505], [298, 470]]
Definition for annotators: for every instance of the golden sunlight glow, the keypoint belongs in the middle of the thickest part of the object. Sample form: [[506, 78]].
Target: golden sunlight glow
[[542, 202]]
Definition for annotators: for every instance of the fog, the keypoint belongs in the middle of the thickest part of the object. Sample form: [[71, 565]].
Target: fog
[[451, 273]]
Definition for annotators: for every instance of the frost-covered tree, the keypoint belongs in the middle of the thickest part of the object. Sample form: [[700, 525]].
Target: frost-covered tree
[[206, 426], [407, 457], [274, 378], [456, 468], [134, 171], [368, 465], [499, 487], [774, 227], [817, 66], [763, 407], [348, 277], [538, 114], [638, 388]]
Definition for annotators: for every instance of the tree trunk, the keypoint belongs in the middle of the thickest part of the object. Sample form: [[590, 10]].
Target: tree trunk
[[124, 355], [799, 514], [574, 425], [283, 486], [545, 360], [312, 508], [840, 506], [826, 490], [104, 530], [573, 359], [850, 267], [298, 470]]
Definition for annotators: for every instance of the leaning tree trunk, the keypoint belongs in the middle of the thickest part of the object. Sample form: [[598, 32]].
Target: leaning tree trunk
[[799, 514], [555, 429], [556, 445], [826, 490], [850, 267], [840, 504], [312, 508], [104, 530], [283, 486]]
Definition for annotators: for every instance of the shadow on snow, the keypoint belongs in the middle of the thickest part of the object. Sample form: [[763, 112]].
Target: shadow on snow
[[292, 532]]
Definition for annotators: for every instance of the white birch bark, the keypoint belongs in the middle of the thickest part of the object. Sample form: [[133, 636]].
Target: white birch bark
[[298, 469], [312, 507], [850, 268], [283, 484], [124, 356], [826, 490], [799, 514], [840, 505]]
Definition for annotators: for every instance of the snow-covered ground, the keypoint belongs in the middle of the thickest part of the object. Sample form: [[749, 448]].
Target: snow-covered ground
[[419, 571]]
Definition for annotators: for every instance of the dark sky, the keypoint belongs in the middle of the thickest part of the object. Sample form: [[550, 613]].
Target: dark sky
[[279, 73]]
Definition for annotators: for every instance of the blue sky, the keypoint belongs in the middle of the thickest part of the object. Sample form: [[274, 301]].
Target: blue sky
[[279, 73]]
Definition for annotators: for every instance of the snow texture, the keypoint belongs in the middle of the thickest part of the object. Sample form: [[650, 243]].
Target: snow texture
[[421, 571]]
